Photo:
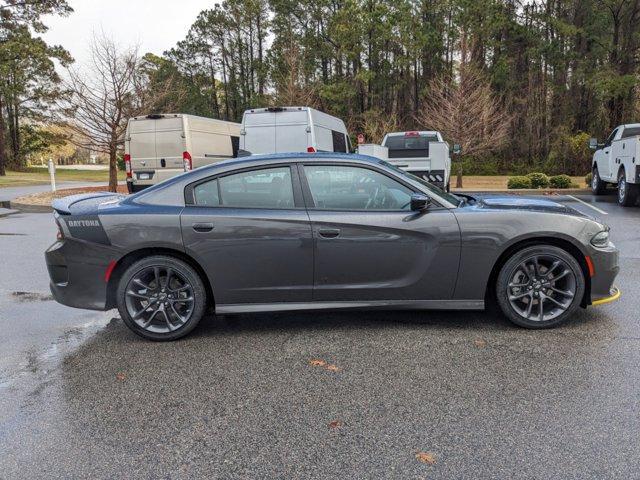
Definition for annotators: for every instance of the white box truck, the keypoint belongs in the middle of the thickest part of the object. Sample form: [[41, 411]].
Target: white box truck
[[292, 129], [617, 162], [422, 153], [160, 146]]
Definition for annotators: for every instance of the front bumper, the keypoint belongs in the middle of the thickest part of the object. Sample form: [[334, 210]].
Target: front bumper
[[77, 274], [606, 267]]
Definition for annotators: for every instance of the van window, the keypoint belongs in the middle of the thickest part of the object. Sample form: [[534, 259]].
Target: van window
[[339, 142], [235, 145]]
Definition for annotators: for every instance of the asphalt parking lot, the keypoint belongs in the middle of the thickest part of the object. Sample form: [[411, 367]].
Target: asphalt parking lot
[[406, 395]]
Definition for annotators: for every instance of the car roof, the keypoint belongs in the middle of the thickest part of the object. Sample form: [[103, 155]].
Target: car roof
[[292, 157]]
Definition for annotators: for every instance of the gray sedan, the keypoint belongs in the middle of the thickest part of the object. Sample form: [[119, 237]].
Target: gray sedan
[[322, 231]]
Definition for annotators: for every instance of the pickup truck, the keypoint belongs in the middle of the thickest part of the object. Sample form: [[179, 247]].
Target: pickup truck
[[422, 153], [617, 162]]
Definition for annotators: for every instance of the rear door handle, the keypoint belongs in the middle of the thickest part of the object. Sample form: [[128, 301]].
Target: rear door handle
[[203, 227], [329, 232]]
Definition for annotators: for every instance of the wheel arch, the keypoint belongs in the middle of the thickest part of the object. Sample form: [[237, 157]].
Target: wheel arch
[[562, 243], [130, 258]]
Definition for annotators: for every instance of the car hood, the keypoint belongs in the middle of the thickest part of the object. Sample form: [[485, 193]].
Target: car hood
[[527, 204]]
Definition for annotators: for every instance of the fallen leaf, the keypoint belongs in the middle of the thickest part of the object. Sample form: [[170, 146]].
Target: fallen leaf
[[317, 363], [426, 457], [333, 368], [121, 376], [480, 343], [335, 424]]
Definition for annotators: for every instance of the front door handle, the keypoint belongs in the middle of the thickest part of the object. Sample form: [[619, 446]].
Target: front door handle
[[329, 232], [203, 227]]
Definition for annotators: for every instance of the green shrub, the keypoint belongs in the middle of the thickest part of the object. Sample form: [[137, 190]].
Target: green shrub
[[121, 165], [588, 178], [560, 181], [538, 180], [518, 183]]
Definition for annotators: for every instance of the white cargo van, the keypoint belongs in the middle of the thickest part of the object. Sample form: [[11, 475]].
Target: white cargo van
[[292, 129], [424, 154], [160, 146]]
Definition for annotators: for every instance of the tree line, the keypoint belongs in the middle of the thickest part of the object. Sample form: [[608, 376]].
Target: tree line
[[528, 81]]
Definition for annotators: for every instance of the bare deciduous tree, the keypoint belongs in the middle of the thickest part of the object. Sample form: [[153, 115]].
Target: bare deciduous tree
[[104, 95], [467, 113], [291, 87], [374, 124]]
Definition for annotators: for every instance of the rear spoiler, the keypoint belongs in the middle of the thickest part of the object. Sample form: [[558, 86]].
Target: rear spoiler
[[82, 203]]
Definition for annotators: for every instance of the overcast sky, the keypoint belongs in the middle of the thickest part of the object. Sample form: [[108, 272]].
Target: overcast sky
[[155, 25]]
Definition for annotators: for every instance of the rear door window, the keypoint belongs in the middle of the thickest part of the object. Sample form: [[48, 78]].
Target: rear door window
[[266, 188]]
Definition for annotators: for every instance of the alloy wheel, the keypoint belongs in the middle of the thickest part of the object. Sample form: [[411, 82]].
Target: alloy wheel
[[541, 287], [159, 299]]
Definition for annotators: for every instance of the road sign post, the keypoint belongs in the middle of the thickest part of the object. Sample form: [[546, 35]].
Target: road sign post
[[52, 174]]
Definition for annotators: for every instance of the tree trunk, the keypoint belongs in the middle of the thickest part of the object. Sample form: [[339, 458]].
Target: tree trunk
[[3, 152], [113, 167], [459, 176]]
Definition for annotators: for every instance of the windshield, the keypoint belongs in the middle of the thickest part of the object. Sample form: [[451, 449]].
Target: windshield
[[449, 197]]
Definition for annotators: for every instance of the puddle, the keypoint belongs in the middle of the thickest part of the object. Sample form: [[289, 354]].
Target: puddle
[[32, 296]]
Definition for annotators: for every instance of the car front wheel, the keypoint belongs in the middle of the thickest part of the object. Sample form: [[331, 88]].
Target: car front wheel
[[540, 286], [161, 298]]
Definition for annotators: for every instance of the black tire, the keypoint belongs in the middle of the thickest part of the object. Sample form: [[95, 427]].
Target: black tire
[[627, 192], [197, 297], [511, 267], [598, 186]]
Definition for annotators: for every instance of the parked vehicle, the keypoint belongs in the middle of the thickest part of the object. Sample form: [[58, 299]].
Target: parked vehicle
[[424, 154], [321, 231], [617, 162], [292, 129], [158, 147]]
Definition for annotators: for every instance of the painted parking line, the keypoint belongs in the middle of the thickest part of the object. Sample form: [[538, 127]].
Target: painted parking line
[[588, 205]]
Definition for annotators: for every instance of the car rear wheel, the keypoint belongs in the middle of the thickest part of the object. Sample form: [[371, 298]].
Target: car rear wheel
[[598, 186], [540, 286], [627, 192], [161, 298]]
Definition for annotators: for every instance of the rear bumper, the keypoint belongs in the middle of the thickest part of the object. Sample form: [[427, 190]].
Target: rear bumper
[[77, 275]]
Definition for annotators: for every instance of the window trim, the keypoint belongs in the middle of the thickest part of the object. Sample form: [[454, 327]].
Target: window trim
[[298, 200], [310, 203]]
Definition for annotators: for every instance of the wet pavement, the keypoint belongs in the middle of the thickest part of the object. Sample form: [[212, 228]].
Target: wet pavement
[[317, 395]]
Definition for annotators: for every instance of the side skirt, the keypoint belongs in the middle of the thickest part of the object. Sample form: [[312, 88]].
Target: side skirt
[[366, 305]]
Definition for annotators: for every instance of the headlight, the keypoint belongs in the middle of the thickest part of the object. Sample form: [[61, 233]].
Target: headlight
[[600, 239]]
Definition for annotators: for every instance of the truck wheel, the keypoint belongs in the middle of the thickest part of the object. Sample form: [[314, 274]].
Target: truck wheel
[[598, 186], [627, 192]]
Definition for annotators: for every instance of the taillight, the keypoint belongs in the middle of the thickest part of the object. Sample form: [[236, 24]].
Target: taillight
[[186, 160], [59, 234], [311, 150], [127, 164]]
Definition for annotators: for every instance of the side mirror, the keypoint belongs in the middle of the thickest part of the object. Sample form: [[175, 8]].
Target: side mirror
[[457, 149], [593, 143], [419, 202]]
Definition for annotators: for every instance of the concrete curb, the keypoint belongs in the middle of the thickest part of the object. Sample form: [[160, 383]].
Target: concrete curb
[[27, 208], [528, 191], [5, 212]]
